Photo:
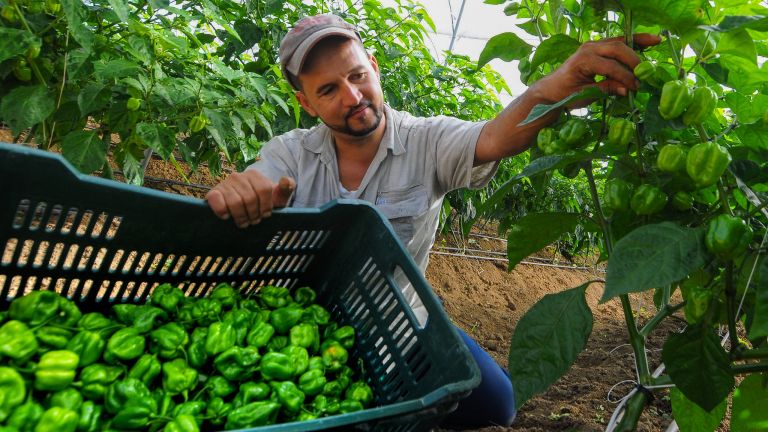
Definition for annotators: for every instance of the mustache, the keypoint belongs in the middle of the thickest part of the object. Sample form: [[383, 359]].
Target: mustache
[[365, 103]]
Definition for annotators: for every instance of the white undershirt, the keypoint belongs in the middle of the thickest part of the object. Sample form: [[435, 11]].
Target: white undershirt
[[346, 193]]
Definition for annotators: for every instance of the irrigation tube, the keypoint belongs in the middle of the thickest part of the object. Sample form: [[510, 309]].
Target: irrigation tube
[[504, 260]]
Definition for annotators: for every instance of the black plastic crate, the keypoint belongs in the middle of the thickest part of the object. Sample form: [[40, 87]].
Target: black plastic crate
[[98, 242]]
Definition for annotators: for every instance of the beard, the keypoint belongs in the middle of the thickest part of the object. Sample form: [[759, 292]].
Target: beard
[[361, 131]]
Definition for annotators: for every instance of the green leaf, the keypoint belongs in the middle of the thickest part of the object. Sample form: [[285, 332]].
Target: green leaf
[[494, 2], [26, 106], [132, 170], [653, 256], [729, 23], [737, 44], [92, 98], [750, 405], [75, 12], [219, 128], [678, 15], [759, 327], [698, 366], [691, 418], [541, 110], [535, 231], [547, 340], [160, 4], [115, 69], [158, 137], [554, 50], [120, 8], [85, 150], [15, 42], [754, 135], [505, 46]]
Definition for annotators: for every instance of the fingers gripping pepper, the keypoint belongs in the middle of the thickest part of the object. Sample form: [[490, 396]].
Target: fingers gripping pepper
[[178, 378], [17, 341], [56, 370], [12, 391]]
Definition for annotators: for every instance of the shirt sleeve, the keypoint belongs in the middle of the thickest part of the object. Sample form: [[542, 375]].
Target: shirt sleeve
[[454, 142], [276, 160]]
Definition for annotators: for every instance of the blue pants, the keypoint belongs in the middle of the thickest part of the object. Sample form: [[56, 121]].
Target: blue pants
[[492, 402]]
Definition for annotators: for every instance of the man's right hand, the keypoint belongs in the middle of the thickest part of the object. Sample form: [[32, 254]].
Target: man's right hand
[[249, 196]]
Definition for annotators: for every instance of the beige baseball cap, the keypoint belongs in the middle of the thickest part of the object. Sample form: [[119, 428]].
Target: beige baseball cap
[[305, 35]]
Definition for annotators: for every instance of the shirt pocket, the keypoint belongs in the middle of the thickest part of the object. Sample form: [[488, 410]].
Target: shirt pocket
[[403, 207]]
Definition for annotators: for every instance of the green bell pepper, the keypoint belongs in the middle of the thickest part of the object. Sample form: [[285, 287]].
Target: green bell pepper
[[195, 408], [221, 337], [68, 398], [241, 320], [206, 311], [196, 353], [316, 362], [702, 105], [253, 414], [299, 357], [96, 322], [167, 297], [24, 417], [53, 337], [620, 133], [97, 378], [706, 163], [277, 342], [648, 199], [289, 395], [146, 369], [307, 336], [88, 345], [675, 99], [56, 370], [182, 423], [333, 389], [697, 299], [90, 417], [125, 344], [260, 334], [316, 314], [217, 411], [40, 307], [682, 201], [348, 406], [548, 142], [178, 378], [617, 194], [334, 355], [218, 386], [344, 335], [12, 391], [17, 341], [225, 294], [238, 363], [169, 340], [361, 392], [671, 158], [646, 71], [131, 403], [251, 392], [274, 297], [572, 132], [276, 366], [282, 319], [304, 296], [57, 419], [728, 236], [323, 404], [312, 382]]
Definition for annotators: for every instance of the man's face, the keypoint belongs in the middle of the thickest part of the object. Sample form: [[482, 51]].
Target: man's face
[[340, 84]]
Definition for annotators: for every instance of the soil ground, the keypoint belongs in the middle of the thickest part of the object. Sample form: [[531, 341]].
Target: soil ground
[[487, 301]]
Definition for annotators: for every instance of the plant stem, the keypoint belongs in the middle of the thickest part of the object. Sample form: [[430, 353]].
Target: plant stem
[[741, 369], [664, 312], [730, 298], [633, 408], [675, 55], [753, 353]]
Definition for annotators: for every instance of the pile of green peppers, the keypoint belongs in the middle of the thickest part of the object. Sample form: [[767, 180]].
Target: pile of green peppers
[[176, 363]]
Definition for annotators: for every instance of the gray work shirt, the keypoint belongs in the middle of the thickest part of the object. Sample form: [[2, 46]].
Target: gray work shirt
[[418, 162]]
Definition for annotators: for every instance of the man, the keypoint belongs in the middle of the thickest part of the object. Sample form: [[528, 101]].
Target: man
[[403, 164]]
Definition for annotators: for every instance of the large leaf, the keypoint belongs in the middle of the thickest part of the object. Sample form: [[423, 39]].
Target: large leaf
[[75, 12], [92, 98], [535, 231], [678, 15], [738, 44], [750, 406], [120, 7], [219, 128], [26, 106], [85, 150], [541, 110], [505, 46], [547, 340], [115, 69], [729, 23], [754, 135], [653, 256], [698, 366], [691, 418], [158, 137], [554, 50], [14, 42]]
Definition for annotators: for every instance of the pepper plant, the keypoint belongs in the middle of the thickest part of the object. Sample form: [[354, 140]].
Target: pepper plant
[[678, 182]]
